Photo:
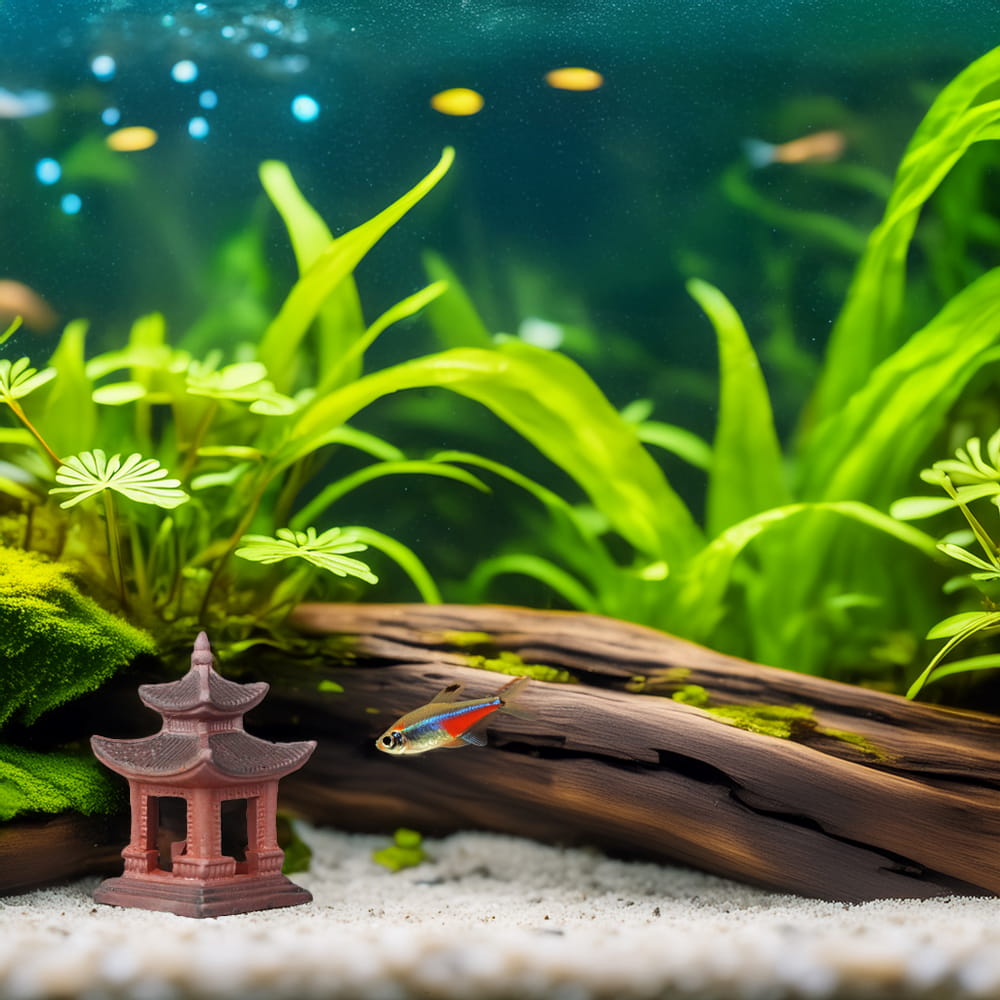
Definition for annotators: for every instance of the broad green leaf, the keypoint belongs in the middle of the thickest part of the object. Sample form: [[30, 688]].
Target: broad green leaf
[[402, 556], [747, 473], [872, 445], [453, 317], [553, 403], [119, 393], [339, 320], [332, 493], [678, 441], [401, 310], [281, 340], [700, 604], [962, 555], [69, 416], [554, 577], [868, 328], [956, 624], [988, 661]]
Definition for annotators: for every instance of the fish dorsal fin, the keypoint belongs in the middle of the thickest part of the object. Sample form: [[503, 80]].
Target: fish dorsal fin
[[450, 693]]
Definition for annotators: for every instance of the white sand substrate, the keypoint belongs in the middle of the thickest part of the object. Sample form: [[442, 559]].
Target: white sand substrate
[[489, 916]]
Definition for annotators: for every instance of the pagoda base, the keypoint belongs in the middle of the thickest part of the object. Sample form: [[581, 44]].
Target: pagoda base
[[195, 898]]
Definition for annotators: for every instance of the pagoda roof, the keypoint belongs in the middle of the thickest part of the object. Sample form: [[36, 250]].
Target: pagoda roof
[[202, 688], [231, 754]]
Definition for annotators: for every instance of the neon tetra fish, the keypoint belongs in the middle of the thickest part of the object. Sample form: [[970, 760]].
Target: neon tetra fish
[[446, 722]]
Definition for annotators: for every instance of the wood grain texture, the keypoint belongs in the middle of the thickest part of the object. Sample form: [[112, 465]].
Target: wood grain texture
[[610, 760], [645, 775]]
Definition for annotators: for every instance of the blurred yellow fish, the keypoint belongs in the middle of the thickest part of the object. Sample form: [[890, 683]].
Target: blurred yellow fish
[[458, 101], [574, 78], [446, 722], [131, 139], [819, 147]]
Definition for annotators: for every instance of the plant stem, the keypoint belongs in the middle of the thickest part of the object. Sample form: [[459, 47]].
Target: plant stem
[[234, 540], [199, 435], [114, 548], [23, 417]]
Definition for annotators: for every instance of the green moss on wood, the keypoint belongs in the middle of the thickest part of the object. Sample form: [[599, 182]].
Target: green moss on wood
[[55, 642], [54, 782], [510, 663], [785, 722]]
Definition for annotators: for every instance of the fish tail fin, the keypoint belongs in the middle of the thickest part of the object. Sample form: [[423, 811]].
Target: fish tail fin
[[758, 152], [509, 695]]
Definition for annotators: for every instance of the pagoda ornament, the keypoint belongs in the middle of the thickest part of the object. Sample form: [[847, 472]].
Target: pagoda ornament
[[206, 768]]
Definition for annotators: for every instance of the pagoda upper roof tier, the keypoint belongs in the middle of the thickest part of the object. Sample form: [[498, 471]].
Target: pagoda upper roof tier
[[201, 688], [231, 754]]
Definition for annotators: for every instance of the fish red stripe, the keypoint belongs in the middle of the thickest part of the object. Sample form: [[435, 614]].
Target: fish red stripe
[[456, 723]]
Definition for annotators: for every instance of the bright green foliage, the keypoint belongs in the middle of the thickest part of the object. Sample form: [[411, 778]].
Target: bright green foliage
[[54, 782], [298, 854], [970, 476], [142, 480], [18, 378], [55, 643], [327, 551], [406, 851]]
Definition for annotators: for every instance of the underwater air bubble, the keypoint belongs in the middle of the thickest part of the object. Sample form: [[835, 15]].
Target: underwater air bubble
[[227, 31], [198, 128], [103, 66], [574, 78], [273, 26], [202, 8], [540, 333], [257, 50], [131, 139], [184, 71], [305, 108], [208, 99], [70, 203], [48, 171], [459, 101], [111, 116]]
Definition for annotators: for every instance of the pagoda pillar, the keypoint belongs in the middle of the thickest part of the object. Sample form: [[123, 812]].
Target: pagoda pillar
[[142, 855], [203, 857]]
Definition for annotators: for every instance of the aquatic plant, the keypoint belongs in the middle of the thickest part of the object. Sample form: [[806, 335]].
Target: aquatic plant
[[969, 477], [777, 572]]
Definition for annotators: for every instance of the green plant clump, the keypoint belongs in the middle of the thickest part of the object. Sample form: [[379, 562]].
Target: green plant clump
[[406, 851], [967, 478]]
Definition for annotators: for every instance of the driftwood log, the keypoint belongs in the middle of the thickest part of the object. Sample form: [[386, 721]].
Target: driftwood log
[[869, 796]]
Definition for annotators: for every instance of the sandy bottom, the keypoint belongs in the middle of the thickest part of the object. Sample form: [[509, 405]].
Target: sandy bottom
[[495, 917]]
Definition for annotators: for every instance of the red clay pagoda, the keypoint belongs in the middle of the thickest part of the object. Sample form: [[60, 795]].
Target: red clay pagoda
[[203, 757]]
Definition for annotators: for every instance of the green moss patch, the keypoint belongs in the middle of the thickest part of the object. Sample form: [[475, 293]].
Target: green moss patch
[[785, 722], [511, 663]]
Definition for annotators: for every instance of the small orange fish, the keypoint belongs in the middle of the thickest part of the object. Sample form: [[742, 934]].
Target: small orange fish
[[17, 299], [446, 722], [819, 147]]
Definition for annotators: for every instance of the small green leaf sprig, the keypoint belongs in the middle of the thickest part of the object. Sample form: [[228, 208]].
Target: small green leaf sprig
[[329, 551], [142, 480], [973, 474]]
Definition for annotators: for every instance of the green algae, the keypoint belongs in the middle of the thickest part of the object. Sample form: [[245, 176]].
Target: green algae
[[785, 722], [510, 663]]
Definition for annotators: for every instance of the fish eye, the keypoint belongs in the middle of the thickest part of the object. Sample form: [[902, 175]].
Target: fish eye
[[392, 740]]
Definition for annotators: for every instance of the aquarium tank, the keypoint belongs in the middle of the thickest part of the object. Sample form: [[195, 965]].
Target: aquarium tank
[[651, 309]]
